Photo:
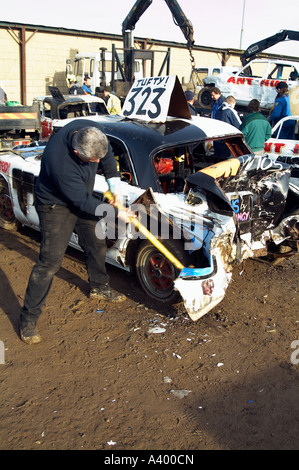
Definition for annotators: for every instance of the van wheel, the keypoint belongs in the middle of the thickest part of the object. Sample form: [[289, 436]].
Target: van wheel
[[204, 98], [7, 217]]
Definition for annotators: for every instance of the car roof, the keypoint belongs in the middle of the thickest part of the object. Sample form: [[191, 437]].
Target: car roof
[[174, 131], [276, 61], [71, 99], [143, 139]]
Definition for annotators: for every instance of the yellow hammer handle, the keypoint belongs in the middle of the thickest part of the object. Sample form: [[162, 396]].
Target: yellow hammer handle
[[150, 237]]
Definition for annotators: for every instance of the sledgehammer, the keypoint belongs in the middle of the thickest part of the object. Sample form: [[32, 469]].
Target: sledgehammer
[[149, 235]]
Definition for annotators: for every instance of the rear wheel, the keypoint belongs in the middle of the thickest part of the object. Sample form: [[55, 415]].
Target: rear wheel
[[156, 274], [7, 217]]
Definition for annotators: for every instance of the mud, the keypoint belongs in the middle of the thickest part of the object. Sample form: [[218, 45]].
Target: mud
[[143, 376]]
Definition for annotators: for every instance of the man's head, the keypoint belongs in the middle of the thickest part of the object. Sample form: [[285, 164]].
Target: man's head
[[282, 88], [254, 106], [231, 101], [106, 90], [189, 96], [87, 81], [215, 93], [89, 144]]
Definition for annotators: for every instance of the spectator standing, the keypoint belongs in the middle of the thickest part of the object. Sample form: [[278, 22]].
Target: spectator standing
[[256, 128], [190, 101], [86, 86], [74, 89], [218, 100], [227, 113], [282, 109], [113, 103]]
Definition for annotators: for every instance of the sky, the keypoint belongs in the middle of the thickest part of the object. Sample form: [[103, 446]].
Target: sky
[[222, 23]]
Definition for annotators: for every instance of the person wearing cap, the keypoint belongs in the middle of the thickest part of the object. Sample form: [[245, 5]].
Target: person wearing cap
[[113, 103], [190, 100], [282, 109]]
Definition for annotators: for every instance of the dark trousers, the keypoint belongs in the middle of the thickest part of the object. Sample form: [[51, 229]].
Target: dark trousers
[[57, 224]]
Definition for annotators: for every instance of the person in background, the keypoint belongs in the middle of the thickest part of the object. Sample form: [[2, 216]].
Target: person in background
[[86, 86], [3, 97], [282, 109], [227, 113], [113, 103], [218, 100], [190, 100], [74, 89], [256, 128], [65, 203]]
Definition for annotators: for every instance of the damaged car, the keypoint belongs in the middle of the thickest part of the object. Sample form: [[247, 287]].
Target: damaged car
[[209, 213], [285, 150]]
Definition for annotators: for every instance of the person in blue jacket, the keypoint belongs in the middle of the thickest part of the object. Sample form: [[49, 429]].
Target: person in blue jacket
[[282, 109], [86, 86], [65, 203], [217, 98]]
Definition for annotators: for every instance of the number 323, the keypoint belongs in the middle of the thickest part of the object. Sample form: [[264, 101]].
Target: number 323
[[146, 103]]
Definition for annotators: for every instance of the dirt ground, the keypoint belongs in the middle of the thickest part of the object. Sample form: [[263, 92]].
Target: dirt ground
[[141, 376]]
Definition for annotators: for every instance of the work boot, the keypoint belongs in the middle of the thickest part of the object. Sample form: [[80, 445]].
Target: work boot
[[106, 292], [29, 333]]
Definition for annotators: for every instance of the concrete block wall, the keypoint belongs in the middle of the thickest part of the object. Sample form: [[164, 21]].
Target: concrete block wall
[[47, 50]]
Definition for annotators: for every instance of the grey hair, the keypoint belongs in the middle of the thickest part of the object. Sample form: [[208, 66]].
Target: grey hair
[[90, 142]]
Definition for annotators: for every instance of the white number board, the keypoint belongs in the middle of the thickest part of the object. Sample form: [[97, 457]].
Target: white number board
[[151, 99]]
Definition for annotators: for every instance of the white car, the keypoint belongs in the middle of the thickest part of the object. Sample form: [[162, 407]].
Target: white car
[[208, 213], [257, 80], [284, 150]]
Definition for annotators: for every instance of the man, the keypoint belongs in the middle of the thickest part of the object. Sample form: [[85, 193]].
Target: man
[[226, 113], [282, 109], [65, 203], [74, 89], [190, 101], [113, 103], [218, 100], [86, 86], [256, 128]]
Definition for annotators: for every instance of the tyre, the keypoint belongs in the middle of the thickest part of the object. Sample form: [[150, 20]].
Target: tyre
[[7, 217], [156, 274], [204, 98]]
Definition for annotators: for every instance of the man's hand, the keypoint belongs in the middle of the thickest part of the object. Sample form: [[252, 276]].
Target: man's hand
[[124, 213]]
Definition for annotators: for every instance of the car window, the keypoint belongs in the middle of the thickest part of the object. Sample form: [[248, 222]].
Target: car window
[[123, 161], [173, 165]]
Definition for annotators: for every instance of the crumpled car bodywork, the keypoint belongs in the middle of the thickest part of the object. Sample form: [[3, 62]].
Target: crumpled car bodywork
[[210, 214]]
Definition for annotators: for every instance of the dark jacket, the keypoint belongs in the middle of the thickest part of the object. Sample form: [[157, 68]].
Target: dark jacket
[[66, 180], [227, 114], [216, 105]]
